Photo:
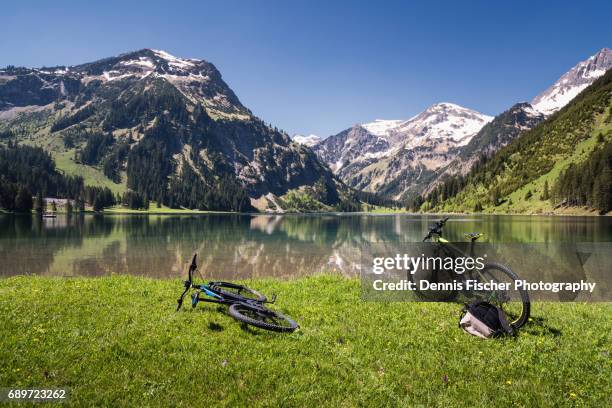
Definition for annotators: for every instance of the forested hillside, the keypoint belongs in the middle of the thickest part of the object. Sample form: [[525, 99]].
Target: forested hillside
[[27, 171], [521, 176], [588, 183]]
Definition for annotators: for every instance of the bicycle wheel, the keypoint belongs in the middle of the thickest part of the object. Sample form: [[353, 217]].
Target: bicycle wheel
[[515, 303], [235, 291], [261, 317]]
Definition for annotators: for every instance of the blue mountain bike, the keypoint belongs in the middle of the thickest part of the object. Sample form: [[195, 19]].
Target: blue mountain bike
[[245, 304]]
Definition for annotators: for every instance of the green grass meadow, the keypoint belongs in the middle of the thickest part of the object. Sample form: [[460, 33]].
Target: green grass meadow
[[117, 341]]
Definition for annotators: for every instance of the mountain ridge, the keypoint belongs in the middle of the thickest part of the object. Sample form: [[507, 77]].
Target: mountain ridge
[[419, 167], [166, 127], [373, 156], [530, 174]]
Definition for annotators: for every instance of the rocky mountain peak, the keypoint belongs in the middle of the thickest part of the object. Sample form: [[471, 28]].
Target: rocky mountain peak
[[198, 81], [573, 82], [444, 121]]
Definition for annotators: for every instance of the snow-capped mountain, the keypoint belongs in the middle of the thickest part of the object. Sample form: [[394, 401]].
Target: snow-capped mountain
[[444, 121], [309, 140], [170, 127], [573, 82], [198, 80], [524, 116], [399, 157], [373, 156], [351, 145]]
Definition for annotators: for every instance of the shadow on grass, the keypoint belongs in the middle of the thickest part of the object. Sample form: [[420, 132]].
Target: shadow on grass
[[537, 326], [248, 329], [216, 327]]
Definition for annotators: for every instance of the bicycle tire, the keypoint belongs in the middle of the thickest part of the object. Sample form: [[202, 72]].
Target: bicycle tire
[[526, 309], [243, 312]]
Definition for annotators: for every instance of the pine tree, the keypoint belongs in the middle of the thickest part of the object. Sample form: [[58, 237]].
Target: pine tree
[[545, 193], [602, 191], [79, 204], [320, 190], [600, 138], [23, 200], [98, 204], [495, 196], [40, 205]]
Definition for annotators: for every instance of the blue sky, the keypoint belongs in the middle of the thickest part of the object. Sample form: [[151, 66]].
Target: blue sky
[[321, 66]]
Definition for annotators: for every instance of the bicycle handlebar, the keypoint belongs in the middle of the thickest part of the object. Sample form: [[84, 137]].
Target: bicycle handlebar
[[436, 228], [192, 267], [189, 281]]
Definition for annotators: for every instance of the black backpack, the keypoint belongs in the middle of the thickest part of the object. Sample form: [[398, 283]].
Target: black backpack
[[485, 320]]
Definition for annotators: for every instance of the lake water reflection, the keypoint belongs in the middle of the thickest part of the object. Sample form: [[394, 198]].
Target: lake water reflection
[[232, 246]]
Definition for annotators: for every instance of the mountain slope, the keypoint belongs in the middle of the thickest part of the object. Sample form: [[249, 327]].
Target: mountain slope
[[398, 157], [493, 136], [520, 176], [573, 82], [167, 127], [502, 130]]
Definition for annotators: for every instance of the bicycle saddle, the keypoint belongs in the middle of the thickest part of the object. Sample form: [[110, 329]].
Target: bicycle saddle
[[473, 236]]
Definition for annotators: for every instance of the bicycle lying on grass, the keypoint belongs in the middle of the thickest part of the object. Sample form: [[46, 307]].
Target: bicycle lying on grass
[[245, 304], [515, 303]]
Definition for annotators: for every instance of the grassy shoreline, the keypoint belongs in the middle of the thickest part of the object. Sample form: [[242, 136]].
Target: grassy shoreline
[[117, 341]]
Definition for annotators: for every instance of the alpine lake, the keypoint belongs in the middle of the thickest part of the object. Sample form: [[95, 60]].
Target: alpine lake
[[244, 246]]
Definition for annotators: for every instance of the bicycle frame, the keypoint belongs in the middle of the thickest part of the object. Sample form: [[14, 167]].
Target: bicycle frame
[[213, 296], [444, 246]]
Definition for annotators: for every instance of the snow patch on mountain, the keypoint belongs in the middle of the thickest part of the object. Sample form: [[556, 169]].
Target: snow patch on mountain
[[381, 127], [573, 82], [198, 80], [175, 61], [309, 140]]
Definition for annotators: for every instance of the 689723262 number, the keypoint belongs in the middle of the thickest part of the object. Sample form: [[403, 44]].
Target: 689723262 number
[[33, 394]]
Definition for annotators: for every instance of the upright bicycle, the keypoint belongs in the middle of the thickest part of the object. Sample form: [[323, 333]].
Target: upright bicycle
[[514, 302]]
